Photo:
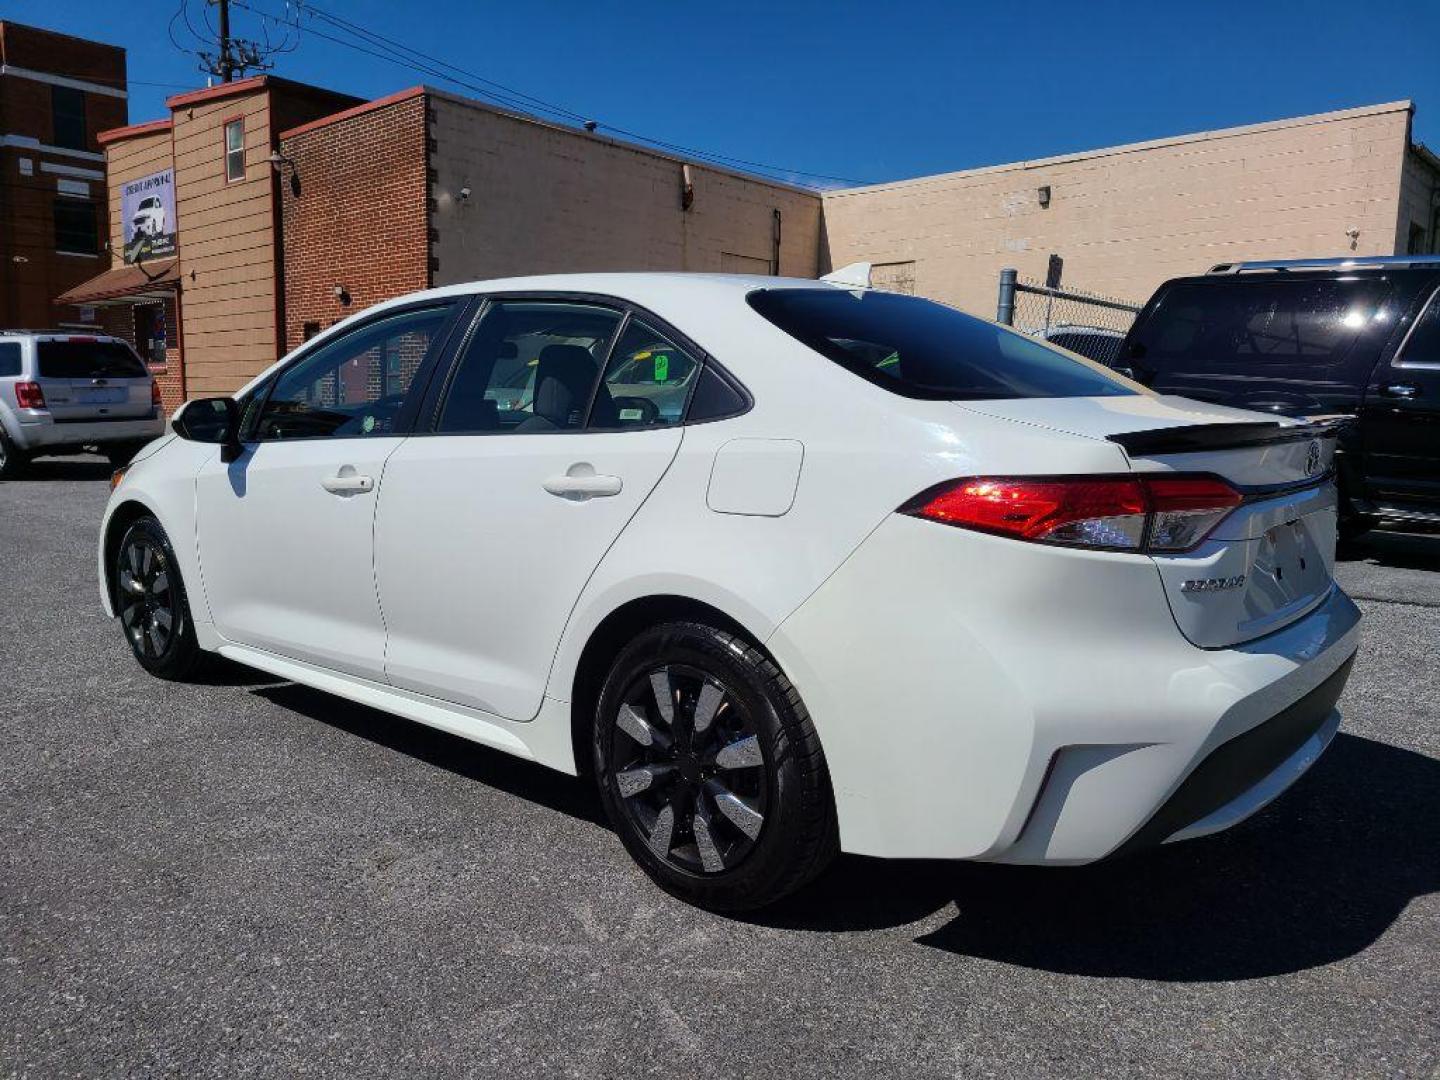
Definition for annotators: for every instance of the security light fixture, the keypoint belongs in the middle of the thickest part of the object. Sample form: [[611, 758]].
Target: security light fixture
[[343, 295]]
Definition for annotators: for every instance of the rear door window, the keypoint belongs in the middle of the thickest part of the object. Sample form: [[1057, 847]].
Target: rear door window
[[647, 382], [531, 366], [9, 359], [1258, 325], [88, 360], [920, 349]]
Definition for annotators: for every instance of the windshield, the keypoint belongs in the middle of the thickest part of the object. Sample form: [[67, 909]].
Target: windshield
[[88, 360], [918, 348], [1252, 324]]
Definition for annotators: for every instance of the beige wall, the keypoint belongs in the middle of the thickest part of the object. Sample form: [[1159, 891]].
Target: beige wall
[[1419, 186], [547, 200], [227, 242], [1127, 218]]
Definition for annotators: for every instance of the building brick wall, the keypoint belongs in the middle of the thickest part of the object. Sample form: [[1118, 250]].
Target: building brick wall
[[548, 199], [1127, 218], [32, 175], [359, 219]]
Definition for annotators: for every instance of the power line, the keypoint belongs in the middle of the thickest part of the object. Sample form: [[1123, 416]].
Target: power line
[[395, 52]]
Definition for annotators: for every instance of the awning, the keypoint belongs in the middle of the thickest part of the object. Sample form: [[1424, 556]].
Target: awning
[[126, 285]]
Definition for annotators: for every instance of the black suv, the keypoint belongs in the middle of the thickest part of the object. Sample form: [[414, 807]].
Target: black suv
[[1357, 337]]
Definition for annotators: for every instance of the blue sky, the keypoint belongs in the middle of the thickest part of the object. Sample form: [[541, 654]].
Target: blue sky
[[864, 91]]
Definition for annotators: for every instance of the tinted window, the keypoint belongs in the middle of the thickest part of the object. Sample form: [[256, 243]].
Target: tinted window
[[88, 360], [1249, 324], [1423, 345], [714, 397], [649, 378], [532, 366], [75, 229], [9, 358], [67, 106], [353, 385], [922, 349]]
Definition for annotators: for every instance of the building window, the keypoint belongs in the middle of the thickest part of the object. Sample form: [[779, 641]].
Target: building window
[[67, 108], [235, 150], [75, 227]]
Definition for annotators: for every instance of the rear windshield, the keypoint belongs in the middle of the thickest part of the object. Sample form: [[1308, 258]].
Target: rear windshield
[[88, 360], [921, 349], [1252, 324]]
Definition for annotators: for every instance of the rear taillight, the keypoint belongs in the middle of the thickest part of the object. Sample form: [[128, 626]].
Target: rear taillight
[[1125, 513], [29, 396], [154, 394]]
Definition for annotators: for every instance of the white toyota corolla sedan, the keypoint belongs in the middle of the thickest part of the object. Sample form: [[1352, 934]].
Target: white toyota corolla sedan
[[788, 566]]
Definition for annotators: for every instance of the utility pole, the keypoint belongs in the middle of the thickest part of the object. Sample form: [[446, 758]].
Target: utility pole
[[226, 68], [234, 56]]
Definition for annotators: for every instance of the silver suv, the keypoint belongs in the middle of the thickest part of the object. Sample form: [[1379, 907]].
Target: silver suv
[[62, 393]]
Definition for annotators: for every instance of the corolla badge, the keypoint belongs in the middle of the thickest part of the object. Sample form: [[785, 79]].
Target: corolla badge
[[1312, 458], [1212, 584]]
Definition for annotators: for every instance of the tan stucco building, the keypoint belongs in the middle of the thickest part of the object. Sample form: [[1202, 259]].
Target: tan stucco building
[[1126, 218]]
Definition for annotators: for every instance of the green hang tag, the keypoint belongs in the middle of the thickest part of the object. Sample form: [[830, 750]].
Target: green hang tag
[[662, 367]]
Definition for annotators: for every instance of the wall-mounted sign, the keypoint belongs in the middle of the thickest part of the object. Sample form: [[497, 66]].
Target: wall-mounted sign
[[147, 214]]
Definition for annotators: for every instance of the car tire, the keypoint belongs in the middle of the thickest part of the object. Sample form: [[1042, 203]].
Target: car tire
[[152, 606], [12, 459], [710, 769]]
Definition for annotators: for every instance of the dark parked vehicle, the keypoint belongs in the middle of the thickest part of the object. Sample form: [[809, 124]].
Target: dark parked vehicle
[[1356, 337]]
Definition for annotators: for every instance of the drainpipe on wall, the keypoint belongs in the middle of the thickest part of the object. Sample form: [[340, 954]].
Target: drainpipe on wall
[[775, 242]]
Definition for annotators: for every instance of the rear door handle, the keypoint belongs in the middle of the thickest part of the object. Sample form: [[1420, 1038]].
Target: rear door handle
[[348, 484], [1400, 390], [590, 486]]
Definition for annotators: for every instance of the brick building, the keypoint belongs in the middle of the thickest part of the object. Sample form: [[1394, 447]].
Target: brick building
[[57, 93], [426, 188]]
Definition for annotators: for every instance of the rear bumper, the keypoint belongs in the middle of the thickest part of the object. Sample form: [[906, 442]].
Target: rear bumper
[[986, 699], [36, 431]]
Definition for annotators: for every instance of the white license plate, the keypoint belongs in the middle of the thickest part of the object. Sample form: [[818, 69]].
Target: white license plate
[[107, 395]]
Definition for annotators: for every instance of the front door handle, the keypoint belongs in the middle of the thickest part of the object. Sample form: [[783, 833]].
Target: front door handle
[[1400, 390], [350, 483], [583, 486]]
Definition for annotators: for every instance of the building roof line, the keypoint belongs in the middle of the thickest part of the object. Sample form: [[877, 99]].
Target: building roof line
[[624, 144], [130, 131], [1403, 105], [353, 111]]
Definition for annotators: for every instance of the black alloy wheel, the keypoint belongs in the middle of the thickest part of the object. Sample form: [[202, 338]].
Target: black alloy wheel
[[710, 769], [151, 604], [689, 769], [147, 596]]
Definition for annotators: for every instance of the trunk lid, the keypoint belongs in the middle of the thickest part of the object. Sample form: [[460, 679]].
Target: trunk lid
[[89, 379], [1271, 560]]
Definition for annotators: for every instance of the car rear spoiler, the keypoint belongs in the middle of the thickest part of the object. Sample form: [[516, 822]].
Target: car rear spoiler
[[1194, 438]]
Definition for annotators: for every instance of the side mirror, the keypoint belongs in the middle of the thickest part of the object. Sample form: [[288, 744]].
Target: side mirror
[[211, 420]]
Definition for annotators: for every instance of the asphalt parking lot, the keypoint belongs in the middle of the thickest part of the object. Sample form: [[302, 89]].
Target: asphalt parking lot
[[251, 878]]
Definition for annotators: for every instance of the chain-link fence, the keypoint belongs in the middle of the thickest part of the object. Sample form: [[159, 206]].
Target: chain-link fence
[[1083, 322]]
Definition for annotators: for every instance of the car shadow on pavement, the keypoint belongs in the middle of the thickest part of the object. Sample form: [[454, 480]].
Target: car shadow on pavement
[[1401, 550], [523, 779], [1315, 878], [60, 468]]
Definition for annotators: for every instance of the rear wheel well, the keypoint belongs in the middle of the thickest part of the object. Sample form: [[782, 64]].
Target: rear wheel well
[[125, 515], [616, 631]]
